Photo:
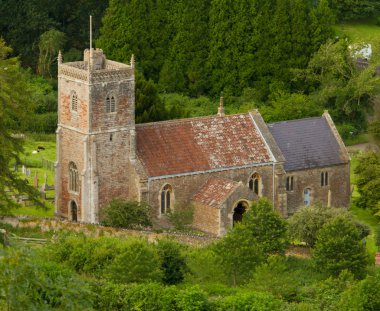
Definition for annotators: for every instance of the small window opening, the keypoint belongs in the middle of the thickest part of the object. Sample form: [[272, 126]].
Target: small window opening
[[110, 104], [289, 183], [74, 101], [166, 199], [111, 137], [254, 183], [73, 177], [324, 179]]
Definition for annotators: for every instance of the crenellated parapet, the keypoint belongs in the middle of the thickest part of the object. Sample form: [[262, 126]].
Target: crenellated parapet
[[97, 70]]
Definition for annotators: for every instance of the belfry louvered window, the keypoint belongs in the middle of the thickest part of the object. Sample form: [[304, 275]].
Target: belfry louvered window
[[110, 103], [74, 101]]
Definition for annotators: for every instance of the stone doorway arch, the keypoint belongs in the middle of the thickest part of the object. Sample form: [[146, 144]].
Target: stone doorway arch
[[74, 211], [239, 209]]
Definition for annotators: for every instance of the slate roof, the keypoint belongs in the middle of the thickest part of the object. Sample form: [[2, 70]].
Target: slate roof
[[199, 144], [307, 143], [215, 191]]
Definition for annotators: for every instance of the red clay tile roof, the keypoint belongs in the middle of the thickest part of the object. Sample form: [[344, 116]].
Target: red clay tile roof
[[199, 144], [215, 191]]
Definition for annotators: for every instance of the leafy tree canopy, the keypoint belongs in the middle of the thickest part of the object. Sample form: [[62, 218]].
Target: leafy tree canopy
[[14, 106]]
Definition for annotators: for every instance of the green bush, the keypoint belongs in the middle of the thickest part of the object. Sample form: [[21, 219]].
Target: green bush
[[377, 237], [29, 282], [253, 301], [339, 246], [125, 214], [173, 264], [306, 222], [137, 261], [182, 216]]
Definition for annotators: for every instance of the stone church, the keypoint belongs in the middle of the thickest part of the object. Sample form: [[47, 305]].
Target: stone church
[[219, 163]]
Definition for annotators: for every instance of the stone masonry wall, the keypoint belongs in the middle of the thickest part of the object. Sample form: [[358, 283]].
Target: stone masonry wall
[[71, 150], [339, 186], [184, 187], [206, 218]]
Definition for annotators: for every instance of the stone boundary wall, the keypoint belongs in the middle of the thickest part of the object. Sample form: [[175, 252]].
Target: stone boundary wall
[[93, 230]]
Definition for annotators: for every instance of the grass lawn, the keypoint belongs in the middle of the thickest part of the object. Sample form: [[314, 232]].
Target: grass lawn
[[38, 164], [361, 32]]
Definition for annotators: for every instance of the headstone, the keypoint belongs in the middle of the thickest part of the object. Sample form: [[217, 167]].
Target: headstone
[[27, 171], [35, 180], [23, 169]]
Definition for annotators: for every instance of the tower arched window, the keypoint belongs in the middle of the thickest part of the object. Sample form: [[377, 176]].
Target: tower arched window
[[74, 101], [166, 199], [254, 183], [73, 177], [110, 103]]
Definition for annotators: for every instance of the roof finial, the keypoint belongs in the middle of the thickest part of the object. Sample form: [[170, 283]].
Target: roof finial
[[59, 57], [221, 108], [133, 61]]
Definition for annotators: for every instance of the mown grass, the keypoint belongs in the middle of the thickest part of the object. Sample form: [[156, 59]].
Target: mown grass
[[361, 32], [34, 161]]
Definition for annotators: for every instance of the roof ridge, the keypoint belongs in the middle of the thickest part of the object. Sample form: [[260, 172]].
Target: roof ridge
[[295, 120], [185, 120]]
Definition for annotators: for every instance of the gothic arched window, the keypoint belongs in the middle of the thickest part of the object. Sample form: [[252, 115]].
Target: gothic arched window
[[73, 177], [74, 101], [166, 199], [110, 103], [254, 184]]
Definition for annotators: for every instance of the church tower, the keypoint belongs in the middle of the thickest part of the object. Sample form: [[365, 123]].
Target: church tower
[[95, 135]]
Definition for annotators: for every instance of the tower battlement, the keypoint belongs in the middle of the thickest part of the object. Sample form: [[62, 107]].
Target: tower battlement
[[100, 70]]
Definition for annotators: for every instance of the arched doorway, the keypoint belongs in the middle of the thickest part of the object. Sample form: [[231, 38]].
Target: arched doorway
[[239, 210], [74, 211]]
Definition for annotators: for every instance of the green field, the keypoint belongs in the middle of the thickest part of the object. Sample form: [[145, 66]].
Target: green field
[[39, 163], [361, 32]]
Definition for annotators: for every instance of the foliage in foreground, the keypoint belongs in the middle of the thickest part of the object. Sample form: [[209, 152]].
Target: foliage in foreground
[[306, 222], [368, 182], [125, 214], [261, 233], [14, 99], [339, 247]]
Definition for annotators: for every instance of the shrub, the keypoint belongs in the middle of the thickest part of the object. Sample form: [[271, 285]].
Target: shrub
[[173, 264], [261, 233], [377, 237], [339, 246], [137, 261], [253, 301], [125, 214], [306, 222], [182, 216]]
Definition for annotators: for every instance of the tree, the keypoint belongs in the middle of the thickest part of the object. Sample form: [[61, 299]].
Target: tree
[[137, 261], [368, 182], [173, 263], [339, 246], [29, 283], [125, 214], [306, 222], [50, 43], [333, 81], [346, 10], [14, 99], [261, 233]]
